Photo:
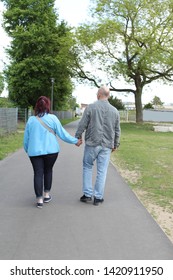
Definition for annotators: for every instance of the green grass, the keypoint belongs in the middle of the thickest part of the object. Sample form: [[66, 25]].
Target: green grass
[[66, 121], [145, 159], [10, 143]]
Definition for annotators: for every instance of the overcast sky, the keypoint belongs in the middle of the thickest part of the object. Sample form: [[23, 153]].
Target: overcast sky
[[73, 11], [76, 12]]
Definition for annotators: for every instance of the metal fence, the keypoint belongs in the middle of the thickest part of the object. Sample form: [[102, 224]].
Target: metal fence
[[127, 115], [11, 117], [24, 114], [8, 120]]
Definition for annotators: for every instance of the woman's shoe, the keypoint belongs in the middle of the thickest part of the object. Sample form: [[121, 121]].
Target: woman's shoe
[[39, 205], [47, 199]]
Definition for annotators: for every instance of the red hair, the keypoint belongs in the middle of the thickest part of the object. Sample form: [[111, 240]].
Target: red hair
[[42, 106]]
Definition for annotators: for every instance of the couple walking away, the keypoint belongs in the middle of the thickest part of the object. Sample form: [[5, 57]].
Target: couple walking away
[[101, 124]]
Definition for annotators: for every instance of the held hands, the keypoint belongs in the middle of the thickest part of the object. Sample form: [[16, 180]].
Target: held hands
[[79, 142]]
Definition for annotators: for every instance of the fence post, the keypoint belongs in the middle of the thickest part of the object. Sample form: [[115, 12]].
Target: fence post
[[127, 115]]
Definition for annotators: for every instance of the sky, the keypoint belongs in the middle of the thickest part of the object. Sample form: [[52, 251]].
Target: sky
[[76, 12]]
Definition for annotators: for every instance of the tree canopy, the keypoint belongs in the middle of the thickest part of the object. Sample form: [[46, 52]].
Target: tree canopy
[[39, 51], [157, 101], [6, 103], [148, 106], [127, 41]]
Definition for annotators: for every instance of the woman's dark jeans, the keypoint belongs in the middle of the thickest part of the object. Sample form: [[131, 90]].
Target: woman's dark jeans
[[43, 170]]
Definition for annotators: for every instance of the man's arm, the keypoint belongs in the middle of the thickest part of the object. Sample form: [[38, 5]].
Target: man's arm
[[117, 133], [83, 124]]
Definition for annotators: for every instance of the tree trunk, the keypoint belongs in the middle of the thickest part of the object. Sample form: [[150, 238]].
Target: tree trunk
[[138, 105]]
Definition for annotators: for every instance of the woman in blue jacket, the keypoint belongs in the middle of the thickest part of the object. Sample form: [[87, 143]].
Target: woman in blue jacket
[[42, 147]]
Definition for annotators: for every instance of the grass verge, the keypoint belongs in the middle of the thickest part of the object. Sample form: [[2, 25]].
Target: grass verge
[[145, 161], [10, 143]]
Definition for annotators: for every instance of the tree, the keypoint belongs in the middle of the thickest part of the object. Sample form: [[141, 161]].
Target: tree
[[1, 83], [130, 40], [72, 104], [39, 51], [114, 101], [148, 106], [5, 102], [157, 101]]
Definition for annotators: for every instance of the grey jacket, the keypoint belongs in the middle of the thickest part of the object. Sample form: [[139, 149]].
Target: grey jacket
[[101, 122]]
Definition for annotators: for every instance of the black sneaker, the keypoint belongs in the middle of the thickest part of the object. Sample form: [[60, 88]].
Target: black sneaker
[[47, 199], [97, 201], [39, 205], [85, 198]]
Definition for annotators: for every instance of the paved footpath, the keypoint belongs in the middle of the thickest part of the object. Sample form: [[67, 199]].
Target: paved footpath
[[66, 229]]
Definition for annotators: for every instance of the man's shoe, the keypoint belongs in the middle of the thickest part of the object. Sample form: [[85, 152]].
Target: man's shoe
[[85, 198], [47, 199], [97, 201]]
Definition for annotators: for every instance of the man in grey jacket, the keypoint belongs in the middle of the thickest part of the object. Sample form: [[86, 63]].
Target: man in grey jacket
[[101, 123]]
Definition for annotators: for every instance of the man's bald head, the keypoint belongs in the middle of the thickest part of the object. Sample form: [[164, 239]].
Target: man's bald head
[[103, 93]]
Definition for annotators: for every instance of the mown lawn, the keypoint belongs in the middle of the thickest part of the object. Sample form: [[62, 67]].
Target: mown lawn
[[145, 160]]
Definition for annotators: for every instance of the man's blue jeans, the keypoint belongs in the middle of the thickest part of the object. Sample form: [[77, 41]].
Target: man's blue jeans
[[102, 156]]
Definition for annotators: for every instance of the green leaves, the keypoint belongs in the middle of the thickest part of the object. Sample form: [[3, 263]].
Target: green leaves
[[129, 39], [40, 49]]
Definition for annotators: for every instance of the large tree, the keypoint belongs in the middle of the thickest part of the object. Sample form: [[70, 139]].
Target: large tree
[[129, 41], [39, 51]]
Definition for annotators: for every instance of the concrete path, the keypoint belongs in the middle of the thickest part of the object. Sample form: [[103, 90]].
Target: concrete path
[[119, 229]]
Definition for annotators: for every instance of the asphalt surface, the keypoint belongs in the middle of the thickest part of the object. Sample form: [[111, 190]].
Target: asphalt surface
[[66, 229]]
